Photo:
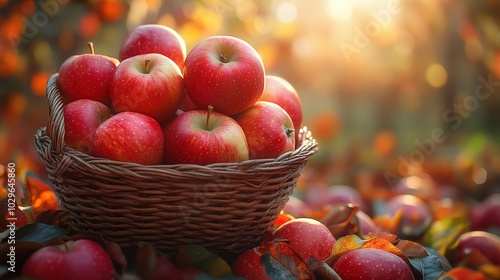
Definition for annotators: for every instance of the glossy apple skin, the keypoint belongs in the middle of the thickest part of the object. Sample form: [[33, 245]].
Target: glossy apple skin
[[268, 129], [281, 92], [371, 263], [225, 72], [84, 259], [155, 90], [129, 137], [154, 38], [87, 76], [248, 265], [188, 140], [81, 119], [308, 237], [342, 194], [486, 243]]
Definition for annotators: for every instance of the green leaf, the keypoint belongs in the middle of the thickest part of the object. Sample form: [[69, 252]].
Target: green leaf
[[39, 233], [443, 233], [429, 266]]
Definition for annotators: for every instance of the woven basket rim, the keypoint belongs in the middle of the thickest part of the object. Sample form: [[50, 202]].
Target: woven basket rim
[[307, 148]]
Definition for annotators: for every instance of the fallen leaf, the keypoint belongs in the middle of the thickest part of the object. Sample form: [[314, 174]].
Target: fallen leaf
[[282, 262]]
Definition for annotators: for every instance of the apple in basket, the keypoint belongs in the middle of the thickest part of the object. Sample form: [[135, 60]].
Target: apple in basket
[[150, 84], [87, 76], [203, 137], [154, 38], [81, 119], [268, 129], [281, 92], [129, 137], [81, 259], [224, 72]]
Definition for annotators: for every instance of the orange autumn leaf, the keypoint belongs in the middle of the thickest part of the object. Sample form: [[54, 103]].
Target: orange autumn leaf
[[353, 242], [389, 223], [42, 198]]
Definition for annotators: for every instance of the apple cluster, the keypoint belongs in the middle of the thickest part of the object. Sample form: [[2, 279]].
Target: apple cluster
[[159, 104]]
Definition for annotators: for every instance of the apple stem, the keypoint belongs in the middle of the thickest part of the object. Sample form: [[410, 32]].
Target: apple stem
[[146, 64], [210, 108], [223, 57], [91, 47]]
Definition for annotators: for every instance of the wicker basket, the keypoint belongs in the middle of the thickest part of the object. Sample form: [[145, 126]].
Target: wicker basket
[[224, 207]]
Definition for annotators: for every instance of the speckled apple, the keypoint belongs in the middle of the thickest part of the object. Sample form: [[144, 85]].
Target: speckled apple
[[308, 237], [372, 263], [225, 72]]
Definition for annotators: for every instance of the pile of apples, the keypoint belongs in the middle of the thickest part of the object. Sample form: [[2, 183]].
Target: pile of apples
[[157, 104]]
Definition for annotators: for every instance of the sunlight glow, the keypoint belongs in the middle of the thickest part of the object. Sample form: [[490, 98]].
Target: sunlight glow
[[286, 12], [340, 10]]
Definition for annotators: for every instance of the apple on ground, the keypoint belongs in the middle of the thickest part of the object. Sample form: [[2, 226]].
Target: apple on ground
[[281, 92], [372, 263], [366, 223], [203, 137], [268, 130], [486, 243], [248, 265], [81, 119], [129, 137], [150, 84], [87, 76], [82, 259], [486, 214], [154, 38], [225, 72], [308, 237]]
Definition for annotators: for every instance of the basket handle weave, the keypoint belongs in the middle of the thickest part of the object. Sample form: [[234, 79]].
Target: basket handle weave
[[55, 126]]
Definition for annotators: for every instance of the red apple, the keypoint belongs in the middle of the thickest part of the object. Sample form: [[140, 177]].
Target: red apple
[[248, 265], [343, 194], [87, 76], [268, 130], [295, 207], [372, 263], [81, 119], [203, 137], [417, 215], [225, 72], [486, 214], [281, 92], [486, 243], [81, 259], [150, 84], [308, 237], [129, 137], [154, 38]]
